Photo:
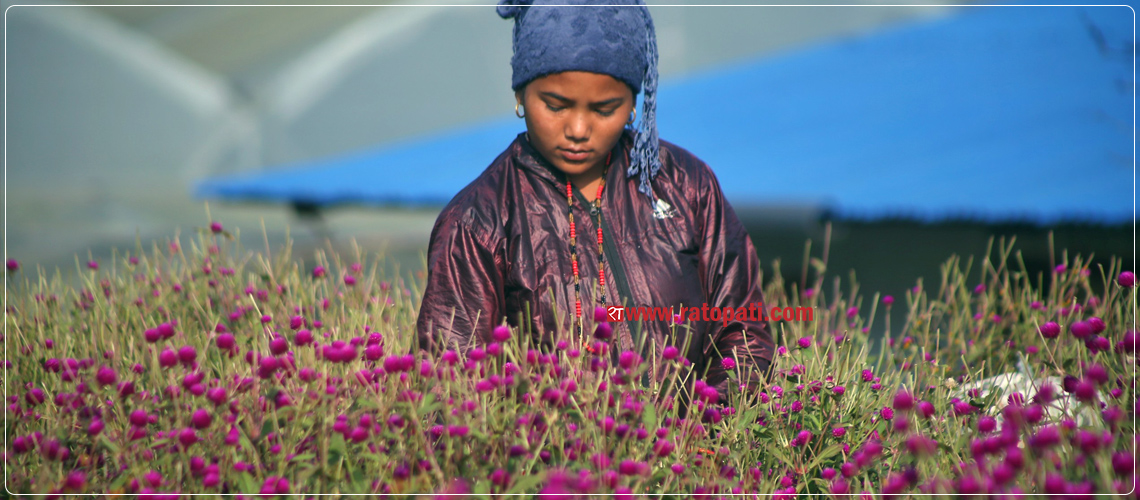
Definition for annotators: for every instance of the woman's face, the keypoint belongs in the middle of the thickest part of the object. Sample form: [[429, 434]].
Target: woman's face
[[575, 118]]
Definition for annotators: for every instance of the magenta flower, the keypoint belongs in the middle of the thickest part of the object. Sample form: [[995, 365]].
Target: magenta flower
[[501, 333], [629, 360], [349, 280], [803, 438], [106, 376], [903, 401], [1085, 390], [1126, 279], [1097, 374], [95, 427], [1096, 324], [887, 413], [201, 419], [457, 430], [1081, 329], [187, 354], [838, 432], [838, 390], [1122, 462], [217, 395], [804, 342], [603, 331], [187, 436], [93, 265], [296, 322], [14, 266], [600, 314], [1045, 438], [278, 346], [167, 358], [728, 364], [629, 468], [373, 352], [215, 227], [670, 353], [663, 447], [477, 354], [303, 338], [318, 272], [76, 481], [888, 300], [358, 434], [1050, 330]]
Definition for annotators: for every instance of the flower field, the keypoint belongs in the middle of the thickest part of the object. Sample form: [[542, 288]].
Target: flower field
[[195, 366]]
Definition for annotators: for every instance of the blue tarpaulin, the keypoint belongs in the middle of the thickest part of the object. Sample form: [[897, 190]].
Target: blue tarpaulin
[[996, 114]]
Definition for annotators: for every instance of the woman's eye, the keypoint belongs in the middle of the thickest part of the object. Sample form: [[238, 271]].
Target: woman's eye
[[553, 108], [606, 113]]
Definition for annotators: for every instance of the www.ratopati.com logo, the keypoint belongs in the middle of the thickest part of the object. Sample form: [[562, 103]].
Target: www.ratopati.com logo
[[752, 312]]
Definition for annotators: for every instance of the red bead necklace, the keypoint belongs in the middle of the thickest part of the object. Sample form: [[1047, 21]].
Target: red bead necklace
[[597, 210]]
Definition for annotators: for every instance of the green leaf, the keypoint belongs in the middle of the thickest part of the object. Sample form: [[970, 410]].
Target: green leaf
[[248, 484], [749, 416], [827, 453], [119, 482], [777, 452], [649, 416], [337, 446], [304, 457], [814, 419], [108, 444], [526, 483], [429, 405], [247, 445], [482, 488]]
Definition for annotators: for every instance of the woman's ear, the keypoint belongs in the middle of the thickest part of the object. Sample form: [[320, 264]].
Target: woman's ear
[[519, 95]]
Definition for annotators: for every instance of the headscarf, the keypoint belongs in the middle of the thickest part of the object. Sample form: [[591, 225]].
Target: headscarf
[[616, 39]]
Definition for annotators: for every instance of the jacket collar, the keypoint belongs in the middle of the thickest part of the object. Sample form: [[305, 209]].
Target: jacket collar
[[528, 158]]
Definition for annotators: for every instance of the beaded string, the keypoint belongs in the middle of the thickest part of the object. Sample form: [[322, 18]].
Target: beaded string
[[596, 210]]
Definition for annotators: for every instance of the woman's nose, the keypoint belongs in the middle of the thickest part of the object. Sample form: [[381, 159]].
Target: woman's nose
[[578, 127]]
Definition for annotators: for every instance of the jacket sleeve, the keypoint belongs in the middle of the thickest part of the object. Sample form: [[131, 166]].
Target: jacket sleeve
[[730, 268], [463, 279]]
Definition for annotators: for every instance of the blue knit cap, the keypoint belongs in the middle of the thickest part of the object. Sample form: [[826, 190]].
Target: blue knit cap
[[616, 39]]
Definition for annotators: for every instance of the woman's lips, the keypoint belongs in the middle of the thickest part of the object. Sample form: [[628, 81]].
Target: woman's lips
[[572, 155]]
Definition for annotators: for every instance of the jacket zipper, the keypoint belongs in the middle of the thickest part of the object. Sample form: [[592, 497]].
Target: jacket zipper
[[615, 264]]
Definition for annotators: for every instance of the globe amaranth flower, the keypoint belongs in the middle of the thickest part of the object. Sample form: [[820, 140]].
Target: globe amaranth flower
[[903, 401], [501, 333], [803, 438], [728, 363], [1081, 329], [1126, 279]]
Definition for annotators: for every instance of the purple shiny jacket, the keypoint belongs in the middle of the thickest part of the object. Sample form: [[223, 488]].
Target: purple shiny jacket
[[503, 241]]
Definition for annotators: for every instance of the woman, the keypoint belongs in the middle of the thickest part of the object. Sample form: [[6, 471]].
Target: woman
[[581, 212]]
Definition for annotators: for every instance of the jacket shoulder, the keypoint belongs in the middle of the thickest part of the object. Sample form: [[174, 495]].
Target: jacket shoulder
[[685, 164], [476, 208]]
